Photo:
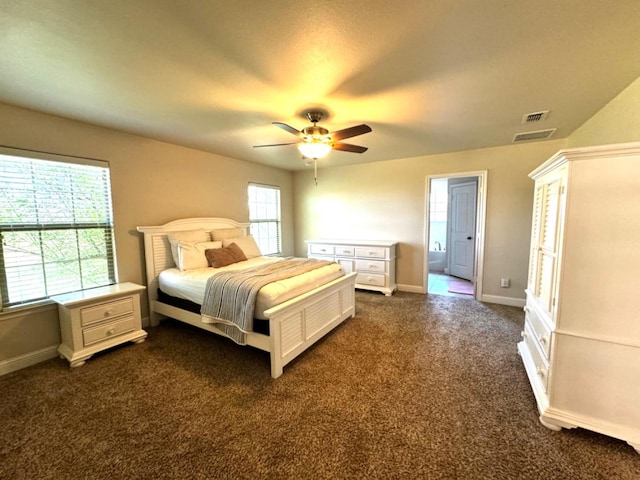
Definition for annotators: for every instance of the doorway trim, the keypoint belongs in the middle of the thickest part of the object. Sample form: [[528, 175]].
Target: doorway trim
[[481, 214]]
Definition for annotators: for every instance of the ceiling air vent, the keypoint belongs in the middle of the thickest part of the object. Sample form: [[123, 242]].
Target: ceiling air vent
[[535, 117], [537, 135]]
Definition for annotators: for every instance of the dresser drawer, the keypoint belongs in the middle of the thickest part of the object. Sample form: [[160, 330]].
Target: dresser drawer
[[371, 252], [542, 368], [371, 279], [321, 249], [108, 330], [539, 328], [104, 311], [344, 251], [374, 266]]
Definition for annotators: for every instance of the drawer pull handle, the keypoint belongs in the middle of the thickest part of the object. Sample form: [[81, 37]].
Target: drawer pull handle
[[345, 251], [108, 313], [370, 252], [526, 309], [540, 371], [523, 334], [111, 331], [542, 339]]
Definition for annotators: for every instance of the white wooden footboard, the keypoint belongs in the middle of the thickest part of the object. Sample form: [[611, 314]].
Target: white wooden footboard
[[299, 323]]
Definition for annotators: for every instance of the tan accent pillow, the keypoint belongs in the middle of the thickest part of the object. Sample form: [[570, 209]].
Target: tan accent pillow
[[225, 233], [221, 257]]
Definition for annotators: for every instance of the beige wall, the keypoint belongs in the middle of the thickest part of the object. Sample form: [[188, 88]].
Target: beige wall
[[152, 183], [386, 200], [616, 122]]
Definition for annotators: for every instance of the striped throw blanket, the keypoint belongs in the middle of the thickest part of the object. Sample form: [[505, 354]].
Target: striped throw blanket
[[230, 297]]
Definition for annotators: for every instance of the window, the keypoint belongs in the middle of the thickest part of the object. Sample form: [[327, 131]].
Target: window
[[438, 205], [264, 216], [56, 226]]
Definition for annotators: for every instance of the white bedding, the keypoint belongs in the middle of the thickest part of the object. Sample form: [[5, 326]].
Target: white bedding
[[191, 284]]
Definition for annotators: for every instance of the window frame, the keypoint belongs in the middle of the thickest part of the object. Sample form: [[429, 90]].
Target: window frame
[[40, 226], [254, 222]]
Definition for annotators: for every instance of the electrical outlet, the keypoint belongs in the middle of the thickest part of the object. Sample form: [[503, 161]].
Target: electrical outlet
[[505, 282]]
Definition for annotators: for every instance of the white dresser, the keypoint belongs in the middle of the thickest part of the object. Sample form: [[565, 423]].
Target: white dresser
[[581, 338], [99, 318], [373, 261]]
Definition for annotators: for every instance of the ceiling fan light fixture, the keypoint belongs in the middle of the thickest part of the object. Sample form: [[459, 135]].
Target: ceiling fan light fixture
[[314, 150]]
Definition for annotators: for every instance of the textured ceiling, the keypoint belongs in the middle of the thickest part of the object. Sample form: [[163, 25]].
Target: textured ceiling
[[428, 76]]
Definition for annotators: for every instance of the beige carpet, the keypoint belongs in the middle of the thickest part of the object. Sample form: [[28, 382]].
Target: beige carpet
[[412, 387]]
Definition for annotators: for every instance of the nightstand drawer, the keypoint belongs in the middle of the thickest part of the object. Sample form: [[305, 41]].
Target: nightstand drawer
[[104, 311], [375, 266], [108, 330], [371, 279], [371, 252], [321, 249]]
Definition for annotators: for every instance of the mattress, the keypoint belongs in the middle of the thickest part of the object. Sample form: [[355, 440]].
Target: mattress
[[191, 284]]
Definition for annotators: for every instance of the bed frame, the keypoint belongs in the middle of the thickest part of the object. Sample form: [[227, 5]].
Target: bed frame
[[294, 325]]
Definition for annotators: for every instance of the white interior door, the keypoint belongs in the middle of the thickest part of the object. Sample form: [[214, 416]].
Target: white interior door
[[462, 229]]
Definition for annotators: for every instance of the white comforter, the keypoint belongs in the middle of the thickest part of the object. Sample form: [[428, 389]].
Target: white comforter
[[191, 284]]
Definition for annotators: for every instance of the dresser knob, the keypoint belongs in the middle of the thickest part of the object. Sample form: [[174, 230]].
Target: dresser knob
[[542, 339], [108, 313], [111, 331], [523, 334], [540, 371]]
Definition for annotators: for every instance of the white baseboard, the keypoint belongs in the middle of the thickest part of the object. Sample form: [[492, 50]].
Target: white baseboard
[[411, 288], [28, 359], [511, 301]]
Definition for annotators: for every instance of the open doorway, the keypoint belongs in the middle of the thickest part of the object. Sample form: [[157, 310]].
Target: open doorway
[[454, 234]]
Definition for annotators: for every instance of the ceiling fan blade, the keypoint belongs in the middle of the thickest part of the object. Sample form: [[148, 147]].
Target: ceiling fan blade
[[275, 144], [288, 128], [351, 132], [347, 147]]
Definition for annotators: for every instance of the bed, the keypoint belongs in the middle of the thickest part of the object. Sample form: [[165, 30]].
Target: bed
[[287, 321]]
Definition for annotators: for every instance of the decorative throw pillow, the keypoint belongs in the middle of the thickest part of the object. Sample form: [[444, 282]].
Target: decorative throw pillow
[[194, 236], [191, 255], [225, 233], [247, 244], [221, 257]]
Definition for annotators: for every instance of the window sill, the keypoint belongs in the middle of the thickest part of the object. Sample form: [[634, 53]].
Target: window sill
[[8, 313]]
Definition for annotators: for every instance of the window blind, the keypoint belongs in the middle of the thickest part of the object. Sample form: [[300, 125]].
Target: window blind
[[56, 227], [264, 217]]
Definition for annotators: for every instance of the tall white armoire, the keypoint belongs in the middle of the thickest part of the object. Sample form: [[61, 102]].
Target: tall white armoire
[[581, 340]]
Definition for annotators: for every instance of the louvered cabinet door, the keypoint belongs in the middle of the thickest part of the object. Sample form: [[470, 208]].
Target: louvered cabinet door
[[546, 239]]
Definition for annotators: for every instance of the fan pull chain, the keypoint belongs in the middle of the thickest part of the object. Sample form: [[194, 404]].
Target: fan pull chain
[[315, 171]]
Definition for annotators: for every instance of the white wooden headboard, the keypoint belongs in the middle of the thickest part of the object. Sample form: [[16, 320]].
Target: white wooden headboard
[[157, 251]]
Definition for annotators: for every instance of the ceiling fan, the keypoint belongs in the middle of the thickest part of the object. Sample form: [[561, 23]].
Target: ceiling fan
[[315, 141]]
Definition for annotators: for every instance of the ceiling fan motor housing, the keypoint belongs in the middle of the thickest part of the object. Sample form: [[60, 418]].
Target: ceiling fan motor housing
[[316, 133]]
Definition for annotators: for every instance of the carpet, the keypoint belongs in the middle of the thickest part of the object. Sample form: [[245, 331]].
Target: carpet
[[413, 387], [461, 287]]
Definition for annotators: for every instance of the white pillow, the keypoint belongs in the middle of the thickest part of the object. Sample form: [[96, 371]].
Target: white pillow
[[191, 255], [226, 233], [247, 244], [193, 236]]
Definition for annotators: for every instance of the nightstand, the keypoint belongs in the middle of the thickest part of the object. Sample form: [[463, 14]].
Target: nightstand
[[99, 318]]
